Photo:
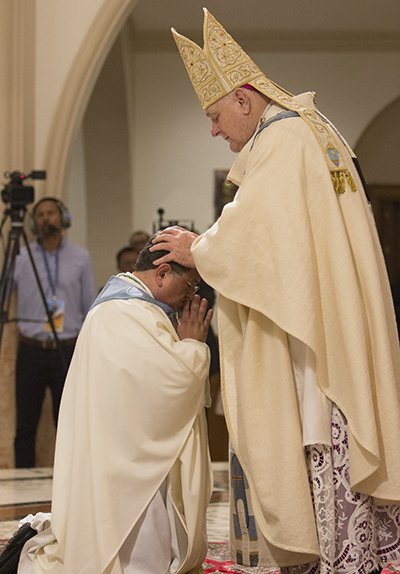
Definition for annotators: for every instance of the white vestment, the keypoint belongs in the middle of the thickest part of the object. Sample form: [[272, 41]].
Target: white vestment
[[294, 260], [132, 415]]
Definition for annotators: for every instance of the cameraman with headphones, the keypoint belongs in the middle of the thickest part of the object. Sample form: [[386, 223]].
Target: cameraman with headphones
[[66, 276]]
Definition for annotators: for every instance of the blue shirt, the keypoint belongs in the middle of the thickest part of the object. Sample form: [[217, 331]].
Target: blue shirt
[[71, 281]]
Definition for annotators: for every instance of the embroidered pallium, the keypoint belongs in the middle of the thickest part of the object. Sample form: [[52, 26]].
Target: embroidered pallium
[[222, 66], [333, 155]]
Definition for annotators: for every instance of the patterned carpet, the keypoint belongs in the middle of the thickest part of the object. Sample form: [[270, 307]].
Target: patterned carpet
[[218, 562]]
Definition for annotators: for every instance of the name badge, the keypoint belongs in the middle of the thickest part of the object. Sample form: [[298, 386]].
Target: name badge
[[56, 309]]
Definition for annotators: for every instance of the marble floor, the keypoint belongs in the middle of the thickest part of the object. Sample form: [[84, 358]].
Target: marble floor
[[218, 510], [27, 491]]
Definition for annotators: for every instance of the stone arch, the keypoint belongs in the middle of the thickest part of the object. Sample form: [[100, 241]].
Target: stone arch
[[78, 88], [67, 121]]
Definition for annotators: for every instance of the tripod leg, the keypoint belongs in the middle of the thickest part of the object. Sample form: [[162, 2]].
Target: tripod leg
[[7, 280]]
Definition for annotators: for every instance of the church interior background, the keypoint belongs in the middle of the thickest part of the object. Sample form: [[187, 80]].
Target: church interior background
[[95, 94]]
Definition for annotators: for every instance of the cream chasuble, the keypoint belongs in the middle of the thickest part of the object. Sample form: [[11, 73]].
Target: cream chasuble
[[132, 413], [291, 256]]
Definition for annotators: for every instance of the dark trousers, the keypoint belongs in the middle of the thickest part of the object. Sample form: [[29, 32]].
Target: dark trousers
[[36, 369]]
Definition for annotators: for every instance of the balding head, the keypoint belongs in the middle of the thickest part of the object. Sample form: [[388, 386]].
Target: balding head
[[235, 116], [171, 282]]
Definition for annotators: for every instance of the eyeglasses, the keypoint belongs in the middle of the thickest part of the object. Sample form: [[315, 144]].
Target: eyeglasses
[[193, 288]]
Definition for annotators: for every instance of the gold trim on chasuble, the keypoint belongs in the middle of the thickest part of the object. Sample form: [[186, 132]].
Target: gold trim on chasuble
[[222, 66]]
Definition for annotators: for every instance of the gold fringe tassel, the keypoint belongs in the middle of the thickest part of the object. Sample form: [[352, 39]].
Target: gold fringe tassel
[[339, 182], [352, 185]]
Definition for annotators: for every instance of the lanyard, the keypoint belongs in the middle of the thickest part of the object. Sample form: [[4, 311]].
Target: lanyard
[[53, 284]]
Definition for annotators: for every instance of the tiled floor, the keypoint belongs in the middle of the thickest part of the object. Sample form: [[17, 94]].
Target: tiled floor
[[218, 510], [27, 491]]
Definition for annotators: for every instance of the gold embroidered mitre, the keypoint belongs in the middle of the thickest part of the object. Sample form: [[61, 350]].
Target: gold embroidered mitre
[[222, 66], [218, 68]]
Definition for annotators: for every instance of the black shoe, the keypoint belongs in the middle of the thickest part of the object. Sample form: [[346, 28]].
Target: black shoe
[[9, 558]]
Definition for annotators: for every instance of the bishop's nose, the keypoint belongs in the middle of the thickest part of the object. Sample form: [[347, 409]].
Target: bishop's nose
[[215, 131]]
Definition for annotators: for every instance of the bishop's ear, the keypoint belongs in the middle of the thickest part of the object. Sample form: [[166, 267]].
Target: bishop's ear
[[243, 99], [161, 271]]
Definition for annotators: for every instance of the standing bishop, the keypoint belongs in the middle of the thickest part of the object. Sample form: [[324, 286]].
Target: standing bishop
[[310, 357]]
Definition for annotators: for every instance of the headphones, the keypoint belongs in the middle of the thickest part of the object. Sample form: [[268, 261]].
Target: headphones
[[64, 213]]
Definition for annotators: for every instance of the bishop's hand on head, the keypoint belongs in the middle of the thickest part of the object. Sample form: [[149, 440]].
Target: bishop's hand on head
[[178, 242]]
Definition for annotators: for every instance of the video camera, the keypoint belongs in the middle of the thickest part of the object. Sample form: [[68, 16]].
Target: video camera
[[18, 194]]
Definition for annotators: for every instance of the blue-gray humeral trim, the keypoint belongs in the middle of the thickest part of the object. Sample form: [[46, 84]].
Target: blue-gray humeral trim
[[292, 114], [281, 116], [117, 288]]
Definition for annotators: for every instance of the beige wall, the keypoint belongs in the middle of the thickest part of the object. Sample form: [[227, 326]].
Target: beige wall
[[5, 76], [108, 185], [61, 28], [39, 41], [75, 191]]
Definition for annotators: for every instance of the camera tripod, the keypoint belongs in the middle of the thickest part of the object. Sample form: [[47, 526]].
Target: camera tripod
[[17, 215]]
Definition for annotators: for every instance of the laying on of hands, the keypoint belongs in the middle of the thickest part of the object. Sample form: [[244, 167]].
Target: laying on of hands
[[178, 242]]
